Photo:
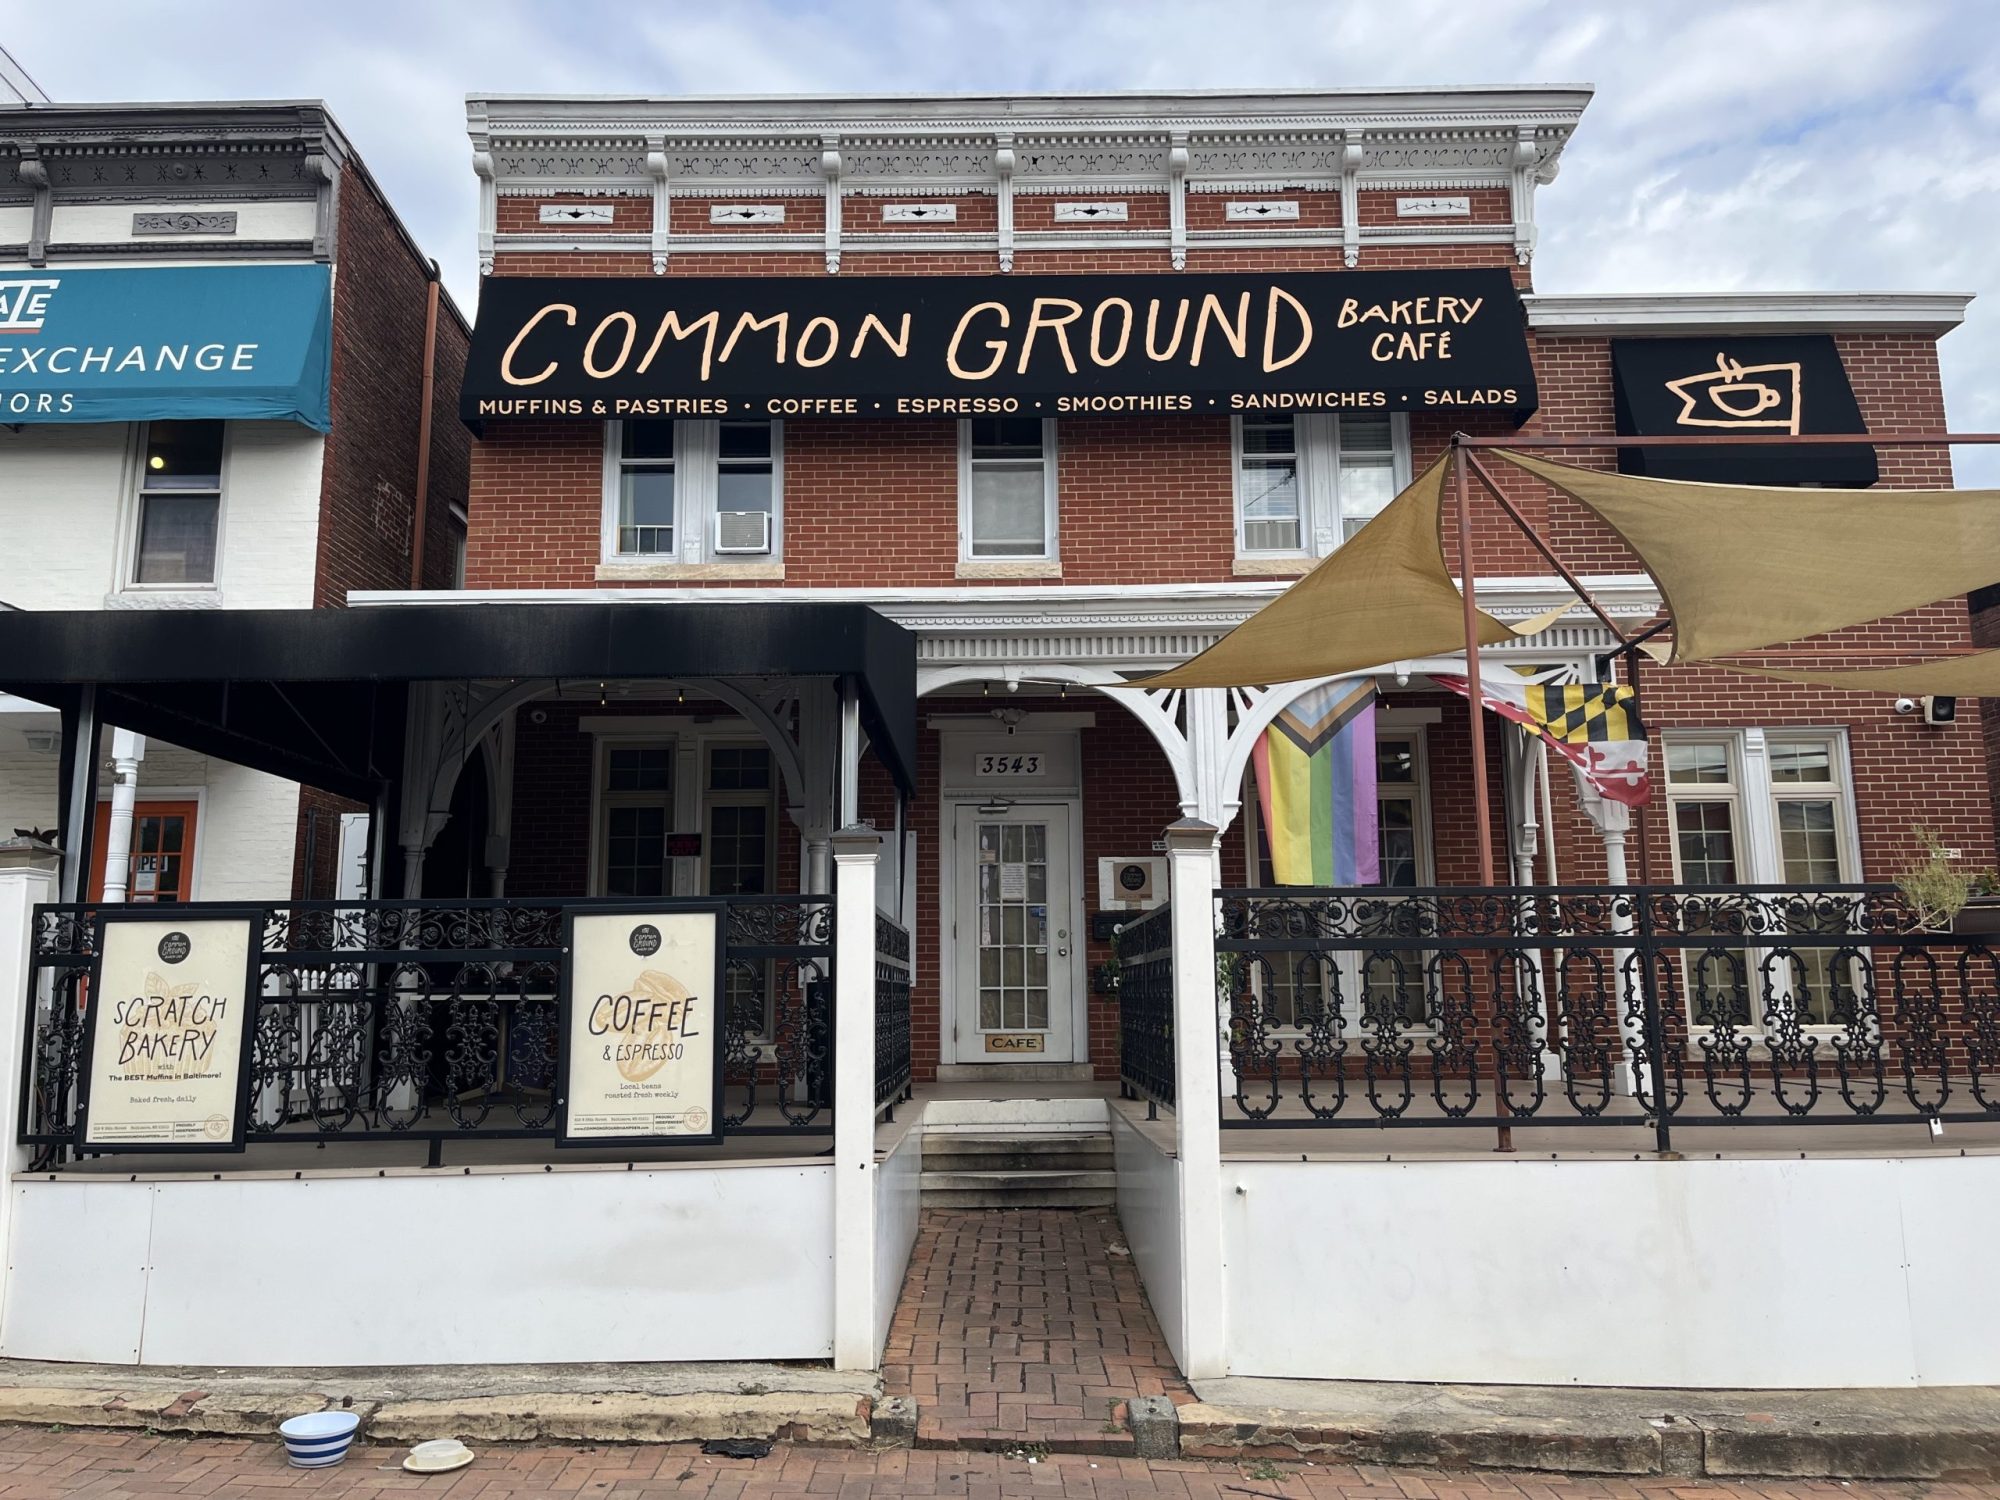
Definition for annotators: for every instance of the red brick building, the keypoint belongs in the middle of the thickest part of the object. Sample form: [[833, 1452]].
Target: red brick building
[[1042, 558]]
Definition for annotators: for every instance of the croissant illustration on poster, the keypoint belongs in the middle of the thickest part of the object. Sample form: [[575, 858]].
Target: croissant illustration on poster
[[1737, 395]]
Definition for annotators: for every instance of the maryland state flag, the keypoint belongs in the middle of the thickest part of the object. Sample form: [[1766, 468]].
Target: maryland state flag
[[1315, 770], [1592, 725]]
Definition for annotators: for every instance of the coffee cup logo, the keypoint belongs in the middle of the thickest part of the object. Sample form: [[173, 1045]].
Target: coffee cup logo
[[1737, 395], [645, 940], [175, 947]]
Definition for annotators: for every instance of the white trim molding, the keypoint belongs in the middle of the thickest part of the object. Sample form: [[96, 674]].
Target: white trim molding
[[1087, 147], [1932, 313]]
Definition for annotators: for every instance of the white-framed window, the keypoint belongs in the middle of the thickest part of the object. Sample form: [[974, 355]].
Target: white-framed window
[[1307, 482], [1762, 807], [178, 525], [1006, 489], [693, 492], [1293, 984], [635, 816]]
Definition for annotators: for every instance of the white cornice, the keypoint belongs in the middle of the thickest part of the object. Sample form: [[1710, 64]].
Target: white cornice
[[1932, 313], [914, 115]]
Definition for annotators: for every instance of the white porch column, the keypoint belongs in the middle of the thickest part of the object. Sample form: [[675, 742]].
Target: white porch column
[[127, 751], [1612, 821], [1522, 754], [1191, 861], [27, 878], [855, 854]]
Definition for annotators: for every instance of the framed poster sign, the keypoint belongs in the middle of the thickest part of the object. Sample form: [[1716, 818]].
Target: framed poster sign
[[642, 1026], [169, 1032]]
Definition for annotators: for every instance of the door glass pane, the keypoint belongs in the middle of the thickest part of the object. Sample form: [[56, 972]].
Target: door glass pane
[[635, 851], [1698, 764], [1013, 926], [1396, 840], [1808, 844], [1706, 835], [739, 850], [1802, 760]]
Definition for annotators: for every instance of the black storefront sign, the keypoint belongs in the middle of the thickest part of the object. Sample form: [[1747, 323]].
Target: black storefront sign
[[884, 346], [1717, 387]]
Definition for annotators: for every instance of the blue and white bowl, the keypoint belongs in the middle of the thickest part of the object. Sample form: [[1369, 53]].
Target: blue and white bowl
[[319, 1439]]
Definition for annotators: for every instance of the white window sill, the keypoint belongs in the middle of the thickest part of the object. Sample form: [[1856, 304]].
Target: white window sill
[[636, 571], [1025, 567], [164, 598], [1273, 567]]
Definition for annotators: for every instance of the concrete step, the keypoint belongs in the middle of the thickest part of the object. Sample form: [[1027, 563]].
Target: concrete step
[[982, 1153], [1014, 1189]]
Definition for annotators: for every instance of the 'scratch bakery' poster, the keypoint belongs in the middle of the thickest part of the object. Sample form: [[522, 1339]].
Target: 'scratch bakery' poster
[[642, 1045], [168, 1033]]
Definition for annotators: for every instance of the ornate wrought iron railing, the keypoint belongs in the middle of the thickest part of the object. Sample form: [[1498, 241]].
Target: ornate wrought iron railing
[[438, 1020], [1661, 1007], [892, 1013], [1145, 949]]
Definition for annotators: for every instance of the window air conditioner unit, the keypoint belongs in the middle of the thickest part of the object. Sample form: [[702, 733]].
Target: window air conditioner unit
[[741, 531]]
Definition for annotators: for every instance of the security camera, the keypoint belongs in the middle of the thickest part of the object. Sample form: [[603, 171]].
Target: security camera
[[1906, 705]]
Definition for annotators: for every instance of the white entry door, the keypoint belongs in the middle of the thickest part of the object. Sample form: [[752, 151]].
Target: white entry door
[[1014, 945]]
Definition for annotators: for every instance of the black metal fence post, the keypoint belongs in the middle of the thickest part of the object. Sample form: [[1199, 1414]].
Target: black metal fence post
[[1653, 1025]]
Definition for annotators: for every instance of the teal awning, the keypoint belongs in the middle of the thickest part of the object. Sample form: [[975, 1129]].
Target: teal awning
[[141, 344]]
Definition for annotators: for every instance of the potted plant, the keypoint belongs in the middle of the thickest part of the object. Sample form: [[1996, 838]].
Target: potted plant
[[1946, 897]]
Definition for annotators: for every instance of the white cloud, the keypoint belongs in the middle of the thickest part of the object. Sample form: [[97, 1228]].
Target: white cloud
[[1773, 144]]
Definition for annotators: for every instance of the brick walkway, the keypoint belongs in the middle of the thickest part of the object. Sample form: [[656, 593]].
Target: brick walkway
[[36, 1464], [1025, 1325]]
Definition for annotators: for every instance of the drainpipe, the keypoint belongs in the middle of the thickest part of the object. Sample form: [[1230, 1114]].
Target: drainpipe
[[422, 506]]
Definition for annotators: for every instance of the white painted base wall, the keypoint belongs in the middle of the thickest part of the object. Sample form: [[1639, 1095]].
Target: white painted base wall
[[898, 1199], [1746, 1273], [698, 1263], [1149, 1208]]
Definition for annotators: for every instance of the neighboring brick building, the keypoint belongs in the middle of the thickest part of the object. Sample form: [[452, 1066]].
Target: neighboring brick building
[[1041, 562], [282, 477]]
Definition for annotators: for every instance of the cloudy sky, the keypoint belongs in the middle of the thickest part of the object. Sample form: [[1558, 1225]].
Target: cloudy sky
[[1762, 144]]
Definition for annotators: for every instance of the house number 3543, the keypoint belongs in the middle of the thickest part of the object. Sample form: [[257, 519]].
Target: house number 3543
[[1010, 765]]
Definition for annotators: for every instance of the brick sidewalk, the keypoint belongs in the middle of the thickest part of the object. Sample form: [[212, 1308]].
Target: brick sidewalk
[[1024, 1325], [36, 1464]]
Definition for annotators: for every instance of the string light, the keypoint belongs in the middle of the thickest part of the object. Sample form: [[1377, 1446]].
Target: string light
[[680, 695], [600, 695]]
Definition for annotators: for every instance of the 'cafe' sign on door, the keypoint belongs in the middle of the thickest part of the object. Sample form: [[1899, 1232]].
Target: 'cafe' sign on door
[[168, 1033], [642, 1053]]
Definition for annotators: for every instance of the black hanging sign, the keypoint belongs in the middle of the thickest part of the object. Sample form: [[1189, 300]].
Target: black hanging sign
[[952, 346], [1716, 387]]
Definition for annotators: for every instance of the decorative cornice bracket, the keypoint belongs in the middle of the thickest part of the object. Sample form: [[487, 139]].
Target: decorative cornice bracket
[[1352, 154], [829, 168], [1177, 170], [1003, 168], [656, 168]]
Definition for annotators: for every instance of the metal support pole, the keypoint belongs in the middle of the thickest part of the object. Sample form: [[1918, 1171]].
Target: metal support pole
[[80, 804], [1649, 983], [1475, 714]]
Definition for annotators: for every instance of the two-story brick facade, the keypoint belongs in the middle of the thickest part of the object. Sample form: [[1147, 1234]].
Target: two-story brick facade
[[1043, 557]]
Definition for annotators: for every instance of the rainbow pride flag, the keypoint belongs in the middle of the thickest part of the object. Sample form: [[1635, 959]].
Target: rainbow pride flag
[[1315, 771]]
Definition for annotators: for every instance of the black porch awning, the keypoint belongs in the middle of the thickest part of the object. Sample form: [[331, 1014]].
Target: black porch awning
[[301, 692]]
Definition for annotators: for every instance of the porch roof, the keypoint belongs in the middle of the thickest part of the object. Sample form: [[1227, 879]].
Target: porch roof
[[298, 692]]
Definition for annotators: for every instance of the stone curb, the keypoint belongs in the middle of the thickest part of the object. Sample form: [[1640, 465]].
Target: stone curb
[[1838, 1444], [603, 1417]]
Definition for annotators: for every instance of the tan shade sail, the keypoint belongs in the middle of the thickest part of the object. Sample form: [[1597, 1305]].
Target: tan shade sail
[[1974, 675], [1384, 596], [1744, 566]]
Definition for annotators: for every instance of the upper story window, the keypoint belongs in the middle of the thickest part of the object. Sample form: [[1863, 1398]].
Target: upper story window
[[692, 492], [1306, 483], [1006, 489], [180, 504]]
